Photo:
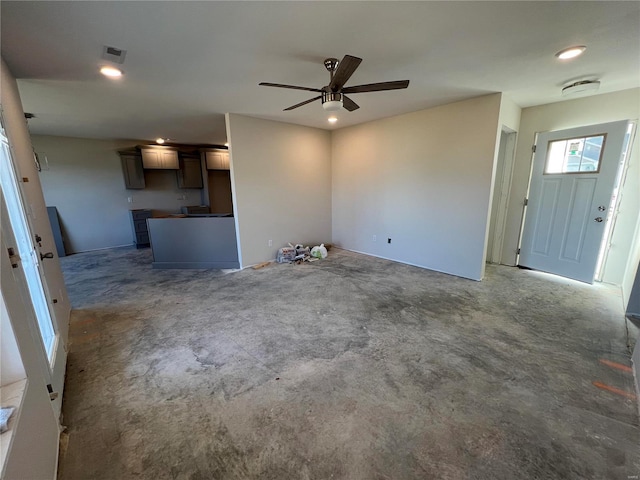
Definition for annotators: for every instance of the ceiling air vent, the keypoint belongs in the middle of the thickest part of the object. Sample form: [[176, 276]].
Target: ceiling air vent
[[113, 54]]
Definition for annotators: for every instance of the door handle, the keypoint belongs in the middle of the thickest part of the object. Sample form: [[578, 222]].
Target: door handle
[[598, 219], [46, 255]]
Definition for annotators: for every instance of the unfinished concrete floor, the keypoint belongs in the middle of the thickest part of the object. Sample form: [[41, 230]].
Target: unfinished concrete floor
[[348, 368]]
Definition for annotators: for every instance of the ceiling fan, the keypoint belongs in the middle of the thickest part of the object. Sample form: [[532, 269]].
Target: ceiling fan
[[333, 96]]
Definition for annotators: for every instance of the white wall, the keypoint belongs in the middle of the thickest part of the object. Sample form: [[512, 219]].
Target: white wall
[[281, 180], [625, 250], [83, 179], [422, 179]]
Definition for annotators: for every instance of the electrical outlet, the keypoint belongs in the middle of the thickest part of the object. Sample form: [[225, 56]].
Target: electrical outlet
[[271, 243], [130, 199], [375, 238]]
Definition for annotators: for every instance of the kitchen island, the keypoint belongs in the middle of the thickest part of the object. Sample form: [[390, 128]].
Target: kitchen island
[[194, 241]]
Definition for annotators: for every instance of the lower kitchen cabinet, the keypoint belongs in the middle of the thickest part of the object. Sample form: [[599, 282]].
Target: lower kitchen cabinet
[[139, 225]]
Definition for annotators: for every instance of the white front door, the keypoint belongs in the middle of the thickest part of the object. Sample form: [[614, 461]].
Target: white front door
[[572, 181], [19, 237]]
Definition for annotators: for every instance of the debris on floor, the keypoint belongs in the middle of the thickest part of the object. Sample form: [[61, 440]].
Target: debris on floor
[[298, 253], [260, 265]]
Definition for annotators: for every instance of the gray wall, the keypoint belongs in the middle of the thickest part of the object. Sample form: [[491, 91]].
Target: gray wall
[[83, 179], [422, 179], [281, 179]]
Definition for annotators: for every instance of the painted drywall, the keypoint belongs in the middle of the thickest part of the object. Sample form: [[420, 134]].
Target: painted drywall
[[423, 180], [37, 428], [509, 121], [83, 179], [625, 248], [281, 181]]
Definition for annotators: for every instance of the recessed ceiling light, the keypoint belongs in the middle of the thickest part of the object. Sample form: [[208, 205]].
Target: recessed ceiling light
[[160, 140], [333, 119], [111, 72], [571, 52]]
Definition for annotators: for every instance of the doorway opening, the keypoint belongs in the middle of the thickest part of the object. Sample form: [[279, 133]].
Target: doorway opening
[[612, 214], [575, 176], [501, 194]]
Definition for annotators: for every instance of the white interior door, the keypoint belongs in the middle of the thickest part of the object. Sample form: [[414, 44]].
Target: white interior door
[[572, 181], [27, 258]]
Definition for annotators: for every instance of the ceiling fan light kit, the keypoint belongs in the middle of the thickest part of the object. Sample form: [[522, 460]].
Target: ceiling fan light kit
[[331, 101], [333, 96]]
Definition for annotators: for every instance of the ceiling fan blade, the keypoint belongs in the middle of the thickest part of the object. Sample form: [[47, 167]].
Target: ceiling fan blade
[[377, 87], [349, 104], [303, 103], [294, 87], [345, 69]]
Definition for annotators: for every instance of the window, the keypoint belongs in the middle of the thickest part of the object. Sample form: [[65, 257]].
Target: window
[[574, 155]]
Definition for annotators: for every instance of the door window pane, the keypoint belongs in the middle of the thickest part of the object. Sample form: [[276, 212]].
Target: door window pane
[[574, 155]]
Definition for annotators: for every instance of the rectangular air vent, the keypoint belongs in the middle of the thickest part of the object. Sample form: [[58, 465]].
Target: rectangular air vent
[[113, 54]]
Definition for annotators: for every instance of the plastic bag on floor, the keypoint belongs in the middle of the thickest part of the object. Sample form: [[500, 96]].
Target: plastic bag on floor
[[319, 252]]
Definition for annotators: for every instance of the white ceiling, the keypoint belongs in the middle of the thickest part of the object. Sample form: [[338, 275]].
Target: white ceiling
[[188, 63]]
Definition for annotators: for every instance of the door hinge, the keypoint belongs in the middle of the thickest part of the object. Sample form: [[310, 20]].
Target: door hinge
[[526, 202], [13, 257], [533, 148], [518, 251]]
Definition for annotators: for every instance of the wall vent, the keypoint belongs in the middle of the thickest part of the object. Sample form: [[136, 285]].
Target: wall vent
[[113, 54]]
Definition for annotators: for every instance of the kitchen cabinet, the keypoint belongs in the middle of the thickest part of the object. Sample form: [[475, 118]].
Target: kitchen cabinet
[[216, 159], [132, 170], [139, 225], [190, 173], [160, 158]]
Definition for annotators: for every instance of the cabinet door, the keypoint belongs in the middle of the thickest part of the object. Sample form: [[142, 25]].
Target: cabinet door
[[169, 160], [151, 158], [190, 173], [132, 171], [217, 160], [213, 160], [159, 158]]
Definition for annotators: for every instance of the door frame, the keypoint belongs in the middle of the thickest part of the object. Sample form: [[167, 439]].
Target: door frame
[[53, 367], [502, 193], [620, 181]]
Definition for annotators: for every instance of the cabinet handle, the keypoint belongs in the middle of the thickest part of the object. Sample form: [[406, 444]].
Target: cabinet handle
[[46, 255]]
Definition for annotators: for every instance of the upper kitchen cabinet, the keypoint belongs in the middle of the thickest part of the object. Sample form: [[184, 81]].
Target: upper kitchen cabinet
[[190, 172], [216, 159], [132, 169], [156, 157]]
